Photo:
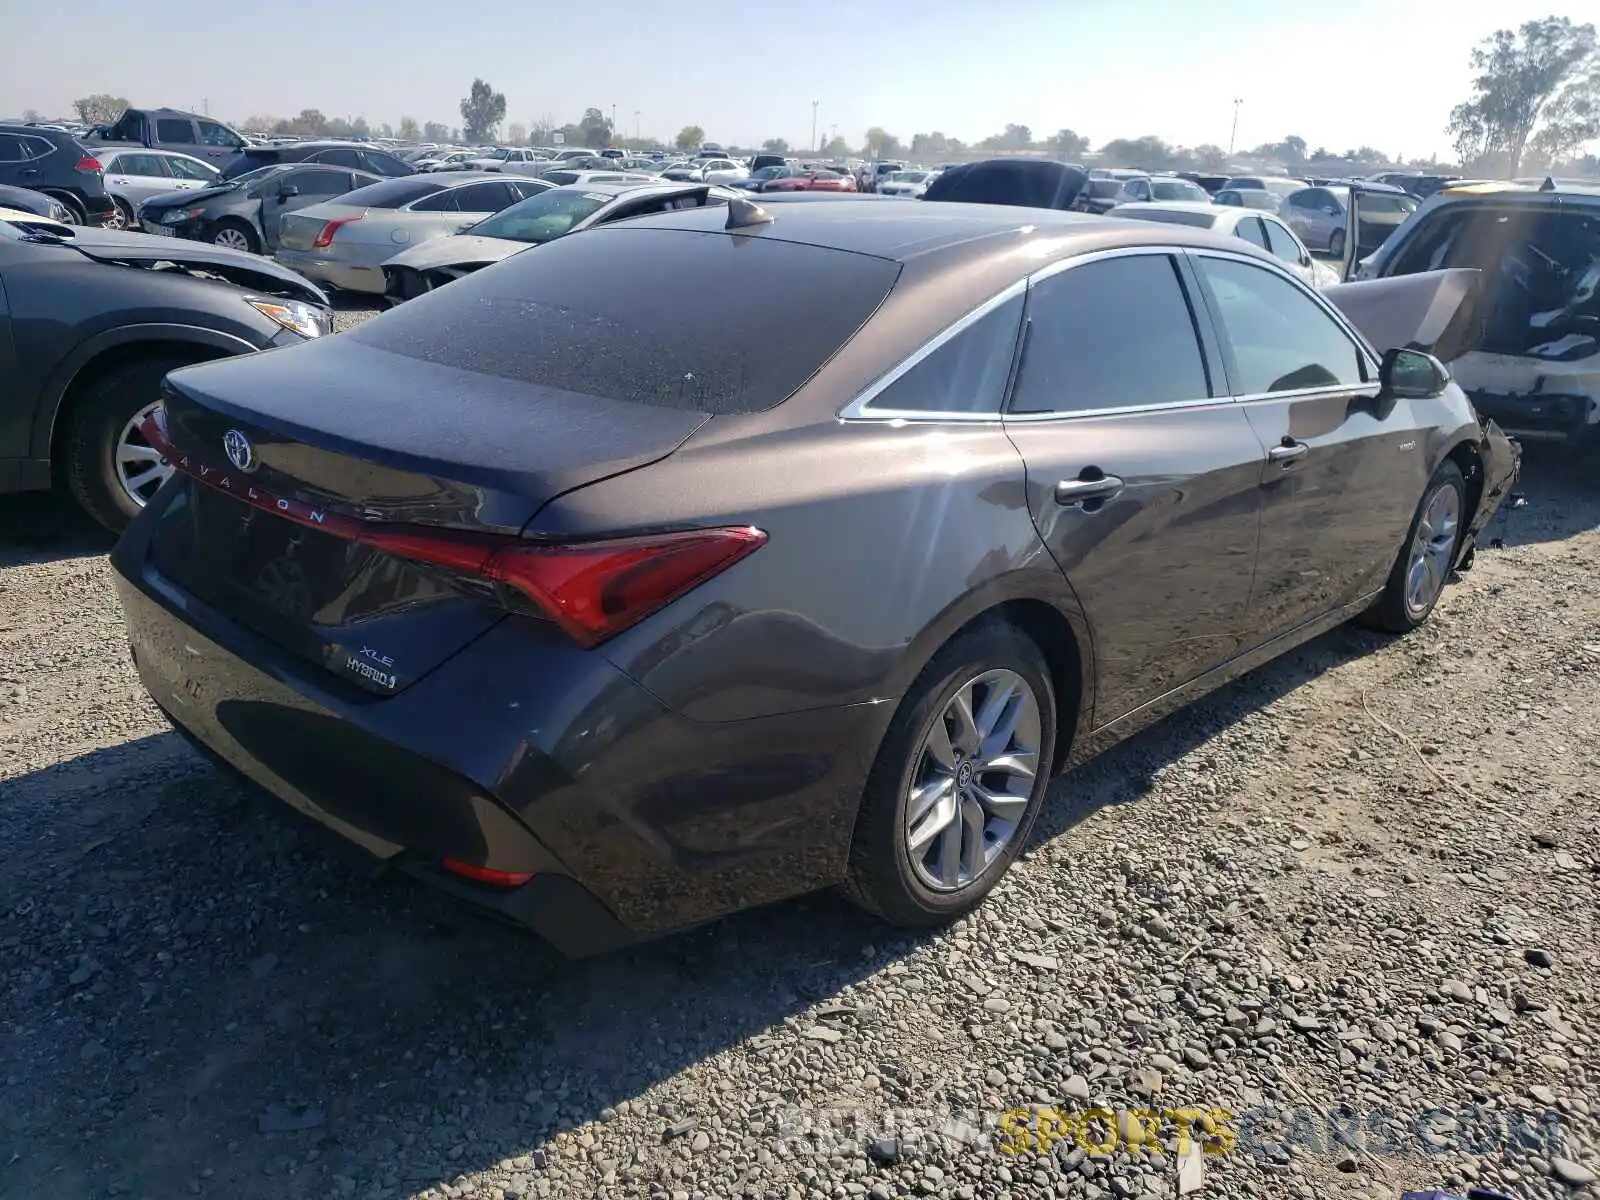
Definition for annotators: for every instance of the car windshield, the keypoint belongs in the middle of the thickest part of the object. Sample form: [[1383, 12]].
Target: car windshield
[[391, 193], [542, 218], [1177, 189]]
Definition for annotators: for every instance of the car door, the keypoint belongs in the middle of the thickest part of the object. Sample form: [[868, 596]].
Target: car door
[[189, 173], [1341, 472], [176, 133], [1143, 475], [293, 190], [218, 143], [136, 177]]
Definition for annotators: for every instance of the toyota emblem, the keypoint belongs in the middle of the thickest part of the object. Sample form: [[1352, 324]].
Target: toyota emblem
[[239, 450]]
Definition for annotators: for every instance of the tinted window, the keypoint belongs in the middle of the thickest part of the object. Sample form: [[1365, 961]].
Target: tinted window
[[527, 187], [340, 156], [150, 165], [1250, 230], [1109, 334], [212, 134], [14, 148], [188, 168], [1305, 198], [170, 129], [1230, 198], [482, 197], [385, 164], [392, 193], [317, 183], [967, 374], [585, 315], [1282, 243], [1279, 339]]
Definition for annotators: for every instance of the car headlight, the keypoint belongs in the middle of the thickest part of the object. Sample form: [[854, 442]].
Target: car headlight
[[307, 320], [179, 216]]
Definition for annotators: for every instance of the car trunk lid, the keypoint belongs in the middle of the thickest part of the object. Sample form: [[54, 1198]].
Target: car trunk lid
[[300, 230], [344, 447]]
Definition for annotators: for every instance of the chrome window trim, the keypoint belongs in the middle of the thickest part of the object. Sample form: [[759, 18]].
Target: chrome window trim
[[859, 408]]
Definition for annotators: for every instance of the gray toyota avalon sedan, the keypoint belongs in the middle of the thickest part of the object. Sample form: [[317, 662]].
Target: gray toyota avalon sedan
[[705, 559]]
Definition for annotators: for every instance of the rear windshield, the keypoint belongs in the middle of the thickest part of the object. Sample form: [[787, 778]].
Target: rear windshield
[[585, 315], [391, 193]]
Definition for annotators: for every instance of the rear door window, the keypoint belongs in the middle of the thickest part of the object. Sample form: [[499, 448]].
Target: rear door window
[[482, 197], [1250, 230], [1281, 242], [317, 183], [340, 156], [392, 193], [174, 131], [965, 374], [212, 134], [1117, 333], [562, 322]]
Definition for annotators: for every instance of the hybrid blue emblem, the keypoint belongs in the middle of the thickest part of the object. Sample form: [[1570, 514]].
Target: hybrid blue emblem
[[239, 450]]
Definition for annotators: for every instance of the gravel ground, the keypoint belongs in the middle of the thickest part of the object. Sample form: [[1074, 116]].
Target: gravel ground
[[1364, 876]]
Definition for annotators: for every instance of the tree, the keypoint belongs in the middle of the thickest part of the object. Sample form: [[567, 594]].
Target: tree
[[775, 146], [32, 114], [435, 131], [880, 143], [1147, 153], [1541, 80], [1209, 158], [482, 110], [1068, 144], [834, 147], [689, 137], [360, 126], [594, 131], [517, 134], [408, 129], [310, 120], [100, 108]]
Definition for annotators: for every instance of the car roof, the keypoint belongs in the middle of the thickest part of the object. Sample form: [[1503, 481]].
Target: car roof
[[634, 187], [1204, 206]]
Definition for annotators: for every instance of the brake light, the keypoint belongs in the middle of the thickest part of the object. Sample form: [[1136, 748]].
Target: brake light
[[88, 163], [594, 590], [487, 875], [325, 238]]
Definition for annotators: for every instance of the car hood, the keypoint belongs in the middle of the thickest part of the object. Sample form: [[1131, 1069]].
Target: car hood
[[192, 196], [453, 251], [236, 266], [1429, 311]]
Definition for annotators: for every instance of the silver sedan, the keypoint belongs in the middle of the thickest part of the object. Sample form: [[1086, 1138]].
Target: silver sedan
[[345, 242], [133, 176], [1260, 229]]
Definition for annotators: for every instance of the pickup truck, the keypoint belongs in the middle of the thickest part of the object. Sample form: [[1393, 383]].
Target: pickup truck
[[170, 129]]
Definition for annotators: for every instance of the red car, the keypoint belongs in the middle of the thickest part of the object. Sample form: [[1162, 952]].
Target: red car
[[812, 181]]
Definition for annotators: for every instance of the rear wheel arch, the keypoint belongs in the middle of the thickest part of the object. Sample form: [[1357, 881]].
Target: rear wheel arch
[[80, 215]]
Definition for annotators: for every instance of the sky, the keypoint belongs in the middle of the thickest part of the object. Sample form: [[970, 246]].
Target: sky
[[1339, 73]]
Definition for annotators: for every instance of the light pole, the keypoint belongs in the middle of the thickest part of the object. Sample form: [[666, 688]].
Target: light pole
[[636, 125], [814, 146], [613, 120], [1233, 135]]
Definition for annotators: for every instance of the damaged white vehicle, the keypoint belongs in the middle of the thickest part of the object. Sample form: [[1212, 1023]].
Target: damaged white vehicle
[[1526, 344]]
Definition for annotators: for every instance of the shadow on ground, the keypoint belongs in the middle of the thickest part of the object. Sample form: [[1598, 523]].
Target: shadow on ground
[[192, 961]]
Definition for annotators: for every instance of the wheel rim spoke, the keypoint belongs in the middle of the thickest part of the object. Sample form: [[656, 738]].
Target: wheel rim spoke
[[966, 735], [940, 748]]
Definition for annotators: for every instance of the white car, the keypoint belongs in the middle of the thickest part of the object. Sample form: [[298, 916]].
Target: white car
[[133, 176], [708, 170], [507, 157], [905, 183], [1258, 228]]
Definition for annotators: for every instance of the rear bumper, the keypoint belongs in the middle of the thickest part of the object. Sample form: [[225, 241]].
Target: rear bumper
[[319, 267], [522, 754], [97, 208]]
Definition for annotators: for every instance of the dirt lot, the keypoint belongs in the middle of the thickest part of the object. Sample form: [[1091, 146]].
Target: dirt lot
[[1367, 875]]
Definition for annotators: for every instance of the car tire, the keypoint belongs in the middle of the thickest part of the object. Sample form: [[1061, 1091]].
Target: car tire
[[1427, 556], [1336, 243], [70, 202], [121, 217], [98, 433], [234, 234], [895, 866]]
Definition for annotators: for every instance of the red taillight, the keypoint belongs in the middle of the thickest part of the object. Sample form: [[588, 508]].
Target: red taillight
[[487, 875], [593, 591], [88, 163], [325, 238]]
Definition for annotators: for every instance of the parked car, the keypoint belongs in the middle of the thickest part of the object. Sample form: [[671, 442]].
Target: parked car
[[1028, 182], [358, 156], [345, 242], [1279, 185], [170, 129], [54, 163], [1420, 184], [905, 183], [26, 200], [541, 218], [447, 160], [1100, 195], [1318, 214], [1257, 198], [759, 177], [759, 162], [810, 181], [615, 615], [93, 320], [506, 158], [1526, 345], [565, 178], [1259, 229], [134, 176], [1211, 183], [245, 212], [707, 170]]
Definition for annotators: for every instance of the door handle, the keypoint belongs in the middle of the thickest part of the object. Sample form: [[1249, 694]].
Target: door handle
[[1290, 451], [1080, 491]]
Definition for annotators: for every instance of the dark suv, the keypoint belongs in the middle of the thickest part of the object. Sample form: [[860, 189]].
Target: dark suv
[[336, 154], [54, 163]]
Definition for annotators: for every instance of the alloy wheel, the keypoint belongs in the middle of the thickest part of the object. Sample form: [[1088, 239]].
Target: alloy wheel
[[974, 775], [116, 218], [232, 239], [1429, 563], [139, 466]]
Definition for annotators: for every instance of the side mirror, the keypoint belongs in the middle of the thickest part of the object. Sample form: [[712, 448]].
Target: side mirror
[[1331, 209], [288, 192], [1411, 374]]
